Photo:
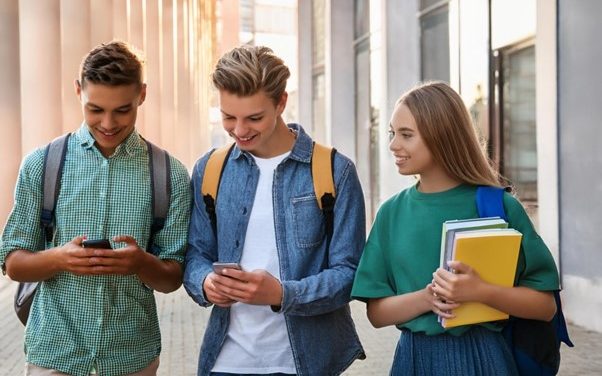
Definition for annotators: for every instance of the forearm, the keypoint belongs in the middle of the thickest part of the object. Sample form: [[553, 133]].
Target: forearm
[[161, 275], [321, 293], [520, 301], [398, 309], [27, 266]]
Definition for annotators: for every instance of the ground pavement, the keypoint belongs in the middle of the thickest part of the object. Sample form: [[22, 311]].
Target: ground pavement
[[183, 322]]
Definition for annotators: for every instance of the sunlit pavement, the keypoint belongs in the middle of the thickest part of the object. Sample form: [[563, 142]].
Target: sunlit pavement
[[183, 322]]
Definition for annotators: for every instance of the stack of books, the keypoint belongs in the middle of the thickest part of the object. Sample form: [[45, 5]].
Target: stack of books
[[489, 247]]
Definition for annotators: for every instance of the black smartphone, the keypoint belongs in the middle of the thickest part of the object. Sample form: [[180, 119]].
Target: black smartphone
[[97, 243], [218, 267]]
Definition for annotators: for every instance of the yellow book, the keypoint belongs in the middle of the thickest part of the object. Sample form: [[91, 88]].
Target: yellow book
[[492, 253]]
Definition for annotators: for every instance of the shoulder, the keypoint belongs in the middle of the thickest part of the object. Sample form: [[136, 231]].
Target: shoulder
[[342, 166], [33, 164], [514, 208], [199, 165], [178, 170], [393, 203]]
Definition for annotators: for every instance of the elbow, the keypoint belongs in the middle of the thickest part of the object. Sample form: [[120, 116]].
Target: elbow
[[169, 287], [374, 317], [376, 323], [550, 311]]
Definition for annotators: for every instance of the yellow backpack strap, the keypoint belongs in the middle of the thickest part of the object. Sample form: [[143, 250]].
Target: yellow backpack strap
[[323, 178], [211, 178], [321, 172]]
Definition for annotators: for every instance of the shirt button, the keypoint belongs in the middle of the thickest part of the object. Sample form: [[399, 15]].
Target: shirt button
[[105, 163]]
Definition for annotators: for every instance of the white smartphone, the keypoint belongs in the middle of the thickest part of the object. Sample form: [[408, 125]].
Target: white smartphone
[[218, 267]]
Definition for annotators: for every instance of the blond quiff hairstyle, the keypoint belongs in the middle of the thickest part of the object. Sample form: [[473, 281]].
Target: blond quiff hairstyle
[[246, 70], [447, 129]]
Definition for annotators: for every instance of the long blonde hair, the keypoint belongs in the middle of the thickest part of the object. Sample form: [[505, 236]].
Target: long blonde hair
[[447, 129]]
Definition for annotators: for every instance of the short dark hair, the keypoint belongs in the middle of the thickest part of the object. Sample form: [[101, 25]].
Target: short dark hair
[[114, 63]]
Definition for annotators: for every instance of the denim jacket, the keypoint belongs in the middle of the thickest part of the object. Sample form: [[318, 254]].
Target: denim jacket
[[316, 281]]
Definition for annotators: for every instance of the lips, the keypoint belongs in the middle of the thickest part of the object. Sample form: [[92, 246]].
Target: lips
[[108, 134], [243, 139]]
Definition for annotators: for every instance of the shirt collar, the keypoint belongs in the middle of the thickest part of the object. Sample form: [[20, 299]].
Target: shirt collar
[[302, 149], [132, 144]]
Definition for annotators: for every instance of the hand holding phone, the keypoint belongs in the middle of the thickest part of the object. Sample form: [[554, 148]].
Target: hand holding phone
[[96, 243], [218, 267]]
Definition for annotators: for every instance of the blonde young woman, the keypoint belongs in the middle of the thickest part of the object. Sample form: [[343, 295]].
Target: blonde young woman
[[432, 136]]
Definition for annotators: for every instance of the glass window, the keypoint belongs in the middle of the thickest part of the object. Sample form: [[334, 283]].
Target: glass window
[[434, 44], [362, 18], [318, 127], [518, 122], [318, 32]]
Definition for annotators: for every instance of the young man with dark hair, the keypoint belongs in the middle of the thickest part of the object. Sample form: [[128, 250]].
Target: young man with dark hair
[[94, 311]]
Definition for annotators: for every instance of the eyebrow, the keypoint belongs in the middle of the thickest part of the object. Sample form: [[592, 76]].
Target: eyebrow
[[248, 116], [402, 128], [125, 106]]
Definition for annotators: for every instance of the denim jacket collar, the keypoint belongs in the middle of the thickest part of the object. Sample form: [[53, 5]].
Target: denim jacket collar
[[302, 149]]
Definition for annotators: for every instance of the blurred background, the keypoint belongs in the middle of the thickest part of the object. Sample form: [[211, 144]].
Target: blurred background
[[528, 71]]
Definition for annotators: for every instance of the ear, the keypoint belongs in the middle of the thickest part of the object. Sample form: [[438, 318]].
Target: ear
[[78, 89], [282, 103], [142, 95]]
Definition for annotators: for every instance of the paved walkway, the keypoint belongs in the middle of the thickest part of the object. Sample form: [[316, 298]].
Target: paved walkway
[[183, 322]]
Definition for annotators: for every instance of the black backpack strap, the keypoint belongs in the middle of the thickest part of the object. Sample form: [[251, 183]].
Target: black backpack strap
[[54, 160], [160, 173]]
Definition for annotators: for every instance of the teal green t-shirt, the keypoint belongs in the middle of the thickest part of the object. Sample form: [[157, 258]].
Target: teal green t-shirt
[[403, 249]]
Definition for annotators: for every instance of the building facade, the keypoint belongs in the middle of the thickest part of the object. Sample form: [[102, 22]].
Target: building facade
[[526, 70], [43, 44]]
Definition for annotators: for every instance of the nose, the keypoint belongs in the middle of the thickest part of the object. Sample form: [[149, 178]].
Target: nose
[[239, 129], [393, 146], [107, 121]]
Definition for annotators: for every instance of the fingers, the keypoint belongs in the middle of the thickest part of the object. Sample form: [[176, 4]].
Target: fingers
[[129, 240], [78, 240], [459, 267]]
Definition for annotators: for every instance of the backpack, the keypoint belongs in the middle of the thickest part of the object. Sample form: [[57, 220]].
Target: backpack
[[535, 344], [54, 158], [321, 171]]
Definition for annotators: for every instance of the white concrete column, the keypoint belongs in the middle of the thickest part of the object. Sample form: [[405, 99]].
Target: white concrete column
[[305, 97], [206, 64], [120, 20], [40, 46], [547, 125], [101, 22], [168, 77], [75, 44], [152, 47], [136, 38], [182, 134], [10, 103]]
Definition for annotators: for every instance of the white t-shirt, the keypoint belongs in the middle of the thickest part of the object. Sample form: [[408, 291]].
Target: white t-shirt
[[257, 338]]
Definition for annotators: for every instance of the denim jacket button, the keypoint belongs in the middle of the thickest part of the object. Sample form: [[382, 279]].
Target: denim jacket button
[[244, 211], [236, 244]]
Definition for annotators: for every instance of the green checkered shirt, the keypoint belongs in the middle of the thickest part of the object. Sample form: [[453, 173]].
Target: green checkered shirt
[[108, 322]]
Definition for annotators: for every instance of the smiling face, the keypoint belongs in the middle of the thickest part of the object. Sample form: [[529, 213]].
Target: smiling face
[[412, 156], [110, 112], [254, 122]]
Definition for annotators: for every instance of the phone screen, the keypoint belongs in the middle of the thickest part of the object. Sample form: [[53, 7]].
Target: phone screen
[[98, 243], [218, 267]]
